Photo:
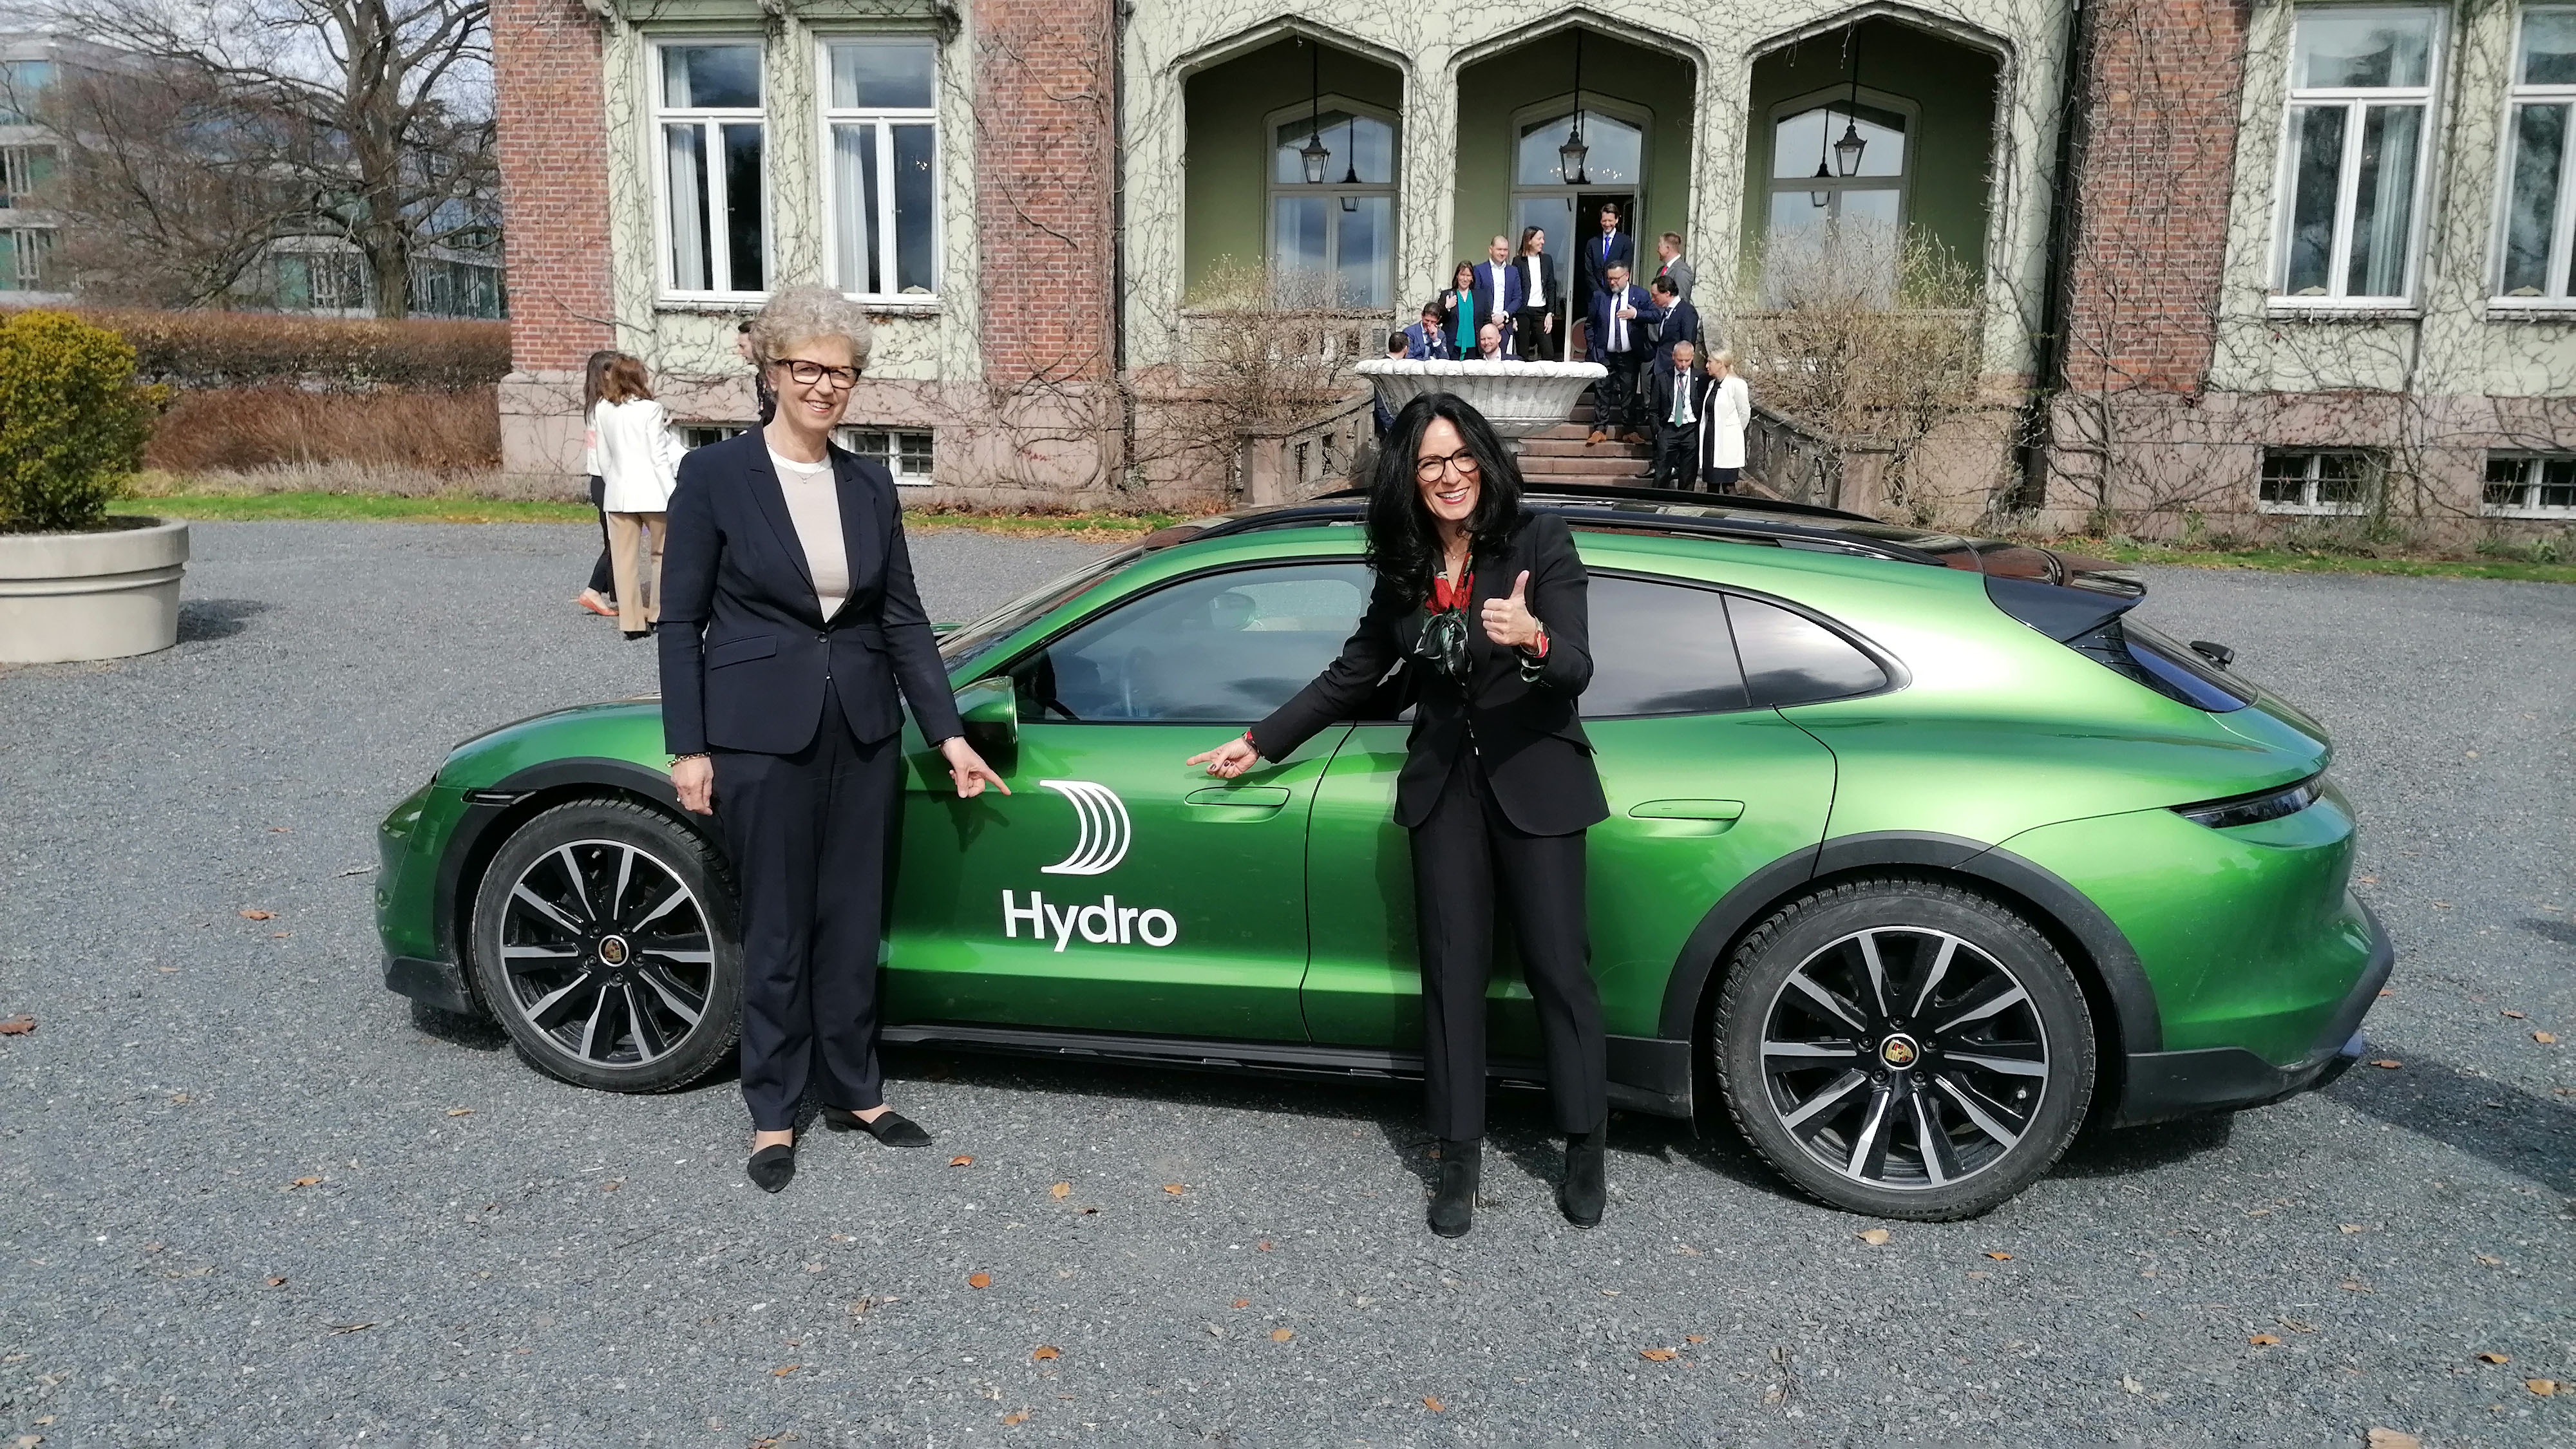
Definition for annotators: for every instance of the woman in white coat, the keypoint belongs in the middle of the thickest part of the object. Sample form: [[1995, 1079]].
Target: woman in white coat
[[1721, 428], [639, 462]]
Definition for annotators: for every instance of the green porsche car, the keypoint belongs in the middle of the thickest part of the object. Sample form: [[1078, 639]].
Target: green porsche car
[[1922, 854]]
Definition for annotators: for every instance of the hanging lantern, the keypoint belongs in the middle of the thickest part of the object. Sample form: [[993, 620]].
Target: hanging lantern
[[1847, 150], [1315, 153], [1569, 157], [1820, 196]]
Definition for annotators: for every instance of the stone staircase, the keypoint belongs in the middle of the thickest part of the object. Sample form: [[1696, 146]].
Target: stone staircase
[[1560, 455]]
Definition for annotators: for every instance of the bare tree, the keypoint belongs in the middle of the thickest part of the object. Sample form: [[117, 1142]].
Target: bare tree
[[391, 97]]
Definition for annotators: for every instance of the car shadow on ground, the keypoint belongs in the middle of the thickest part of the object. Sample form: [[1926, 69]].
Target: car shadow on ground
[[201, 620], [474, 1033], [2101, 1151], [2513, 1128]]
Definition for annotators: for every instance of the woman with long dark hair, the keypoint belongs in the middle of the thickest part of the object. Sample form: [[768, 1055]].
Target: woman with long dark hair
[[1486, 604], [601, 597], [1458, 311]]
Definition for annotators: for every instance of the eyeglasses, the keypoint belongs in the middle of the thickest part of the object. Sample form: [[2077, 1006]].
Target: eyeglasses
[[806, 374], [1429, 470]]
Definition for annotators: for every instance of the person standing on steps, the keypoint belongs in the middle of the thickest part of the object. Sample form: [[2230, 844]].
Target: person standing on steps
[[1679, 399], [1728, 415], [1487, 605], [1616, 335], [1535, 323]]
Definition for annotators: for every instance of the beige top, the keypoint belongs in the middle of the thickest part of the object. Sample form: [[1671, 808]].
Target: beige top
[[814, 503]]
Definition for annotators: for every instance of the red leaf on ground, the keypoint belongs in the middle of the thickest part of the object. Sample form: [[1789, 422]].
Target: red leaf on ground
[[17, 1026], [979, 1280]]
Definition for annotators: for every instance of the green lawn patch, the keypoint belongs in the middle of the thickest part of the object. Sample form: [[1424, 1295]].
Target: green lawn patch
[[2302, 561]]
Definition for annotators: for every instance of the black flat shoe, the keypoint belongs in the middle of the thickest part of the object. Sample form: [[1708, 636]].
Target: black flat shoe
[[1453, 1198], [1585, 1189], [772, 1168], [891, 1128]]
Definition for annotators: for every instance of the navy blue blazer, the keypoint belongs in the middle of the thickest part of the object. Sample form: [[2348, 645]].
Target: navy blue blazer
[[1425, 344], [1513, 288], [1596, 332], [745, 648], [1596, 261], [1680, 324]]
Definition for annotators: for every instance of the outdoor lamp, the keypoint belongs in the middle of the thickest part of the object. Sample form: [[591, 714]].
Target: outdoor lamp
[[1316, 153], [1569, 157], [1847, 150], [1350, 173], [1819, 196]]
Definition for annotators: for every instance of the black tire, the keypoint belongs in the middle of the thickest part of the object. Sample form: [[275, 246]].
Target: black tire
[[600, 976], [1937, 1093]]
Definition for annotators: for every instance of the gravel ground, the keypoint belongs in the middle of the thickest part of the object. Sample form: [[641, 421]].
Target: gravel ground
[[253, 1199]]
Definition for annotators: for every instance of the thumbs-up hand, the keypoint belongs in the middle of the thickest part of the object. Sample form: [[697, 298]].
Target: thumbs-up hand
[[1508, 621]]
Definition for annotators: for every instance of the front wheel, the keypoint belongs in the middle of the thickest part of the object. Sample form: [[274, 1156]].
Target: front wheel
[[604, 942], [1904, 1048]]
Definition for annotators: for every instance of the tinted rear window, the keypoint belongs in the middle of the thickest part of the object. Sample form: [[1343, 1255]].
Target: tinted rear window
[[1792, 659], [1660, 649]]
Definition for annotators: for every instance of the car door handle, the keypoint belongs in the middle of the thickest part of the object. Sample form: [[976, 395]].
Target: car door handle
[[1687, 810], [1240, 797]]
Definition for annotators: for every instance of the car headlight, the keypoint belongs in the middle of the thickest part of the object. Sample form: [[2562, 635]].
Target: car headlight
[[2255, 809]]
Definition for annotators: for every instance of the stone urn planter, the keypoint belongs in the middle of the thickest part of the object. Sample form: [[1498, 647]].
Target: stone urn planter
[[1521, 399], [103, 594]]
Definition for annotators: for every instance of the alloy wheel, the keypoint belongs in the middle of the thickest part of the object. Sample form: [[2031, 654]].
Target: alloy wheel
[[1904, 1057], [605, 951]]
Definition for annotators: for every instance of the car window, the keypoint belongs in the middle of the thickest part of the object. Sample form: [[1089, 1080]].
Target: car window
[[962, 646], [1227, 647], [1660, 649], [1792, 659]]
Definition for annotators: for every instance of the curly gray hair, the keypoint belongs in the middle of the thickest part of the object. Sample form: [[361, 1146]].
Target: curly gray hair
[[804, 313]]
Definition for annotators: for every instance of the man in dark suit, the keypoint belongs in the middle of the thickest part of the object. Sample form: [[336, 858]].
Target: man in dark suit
[[1678, 396], [1669, 263], [1426, 340], [1615, 335], [1612, 248], [1498, 287], [1677, 323]]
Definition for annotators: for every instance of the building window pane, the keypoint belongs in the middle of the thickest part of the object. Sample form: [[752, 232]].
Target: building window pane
[[2548, 48], [687, 179], [2361, 82], [1804, 141], [1614, 151], [2348, 50], [2528, 486], [2536, 257], [884, 174], [1361, 147], [2316, 171], [2314, 480], [743, 240], [713, 169], [2531, 206], [711, 77], [22, 170], [2383, 206], [22, 87], [1298, 249], [1332, 243]]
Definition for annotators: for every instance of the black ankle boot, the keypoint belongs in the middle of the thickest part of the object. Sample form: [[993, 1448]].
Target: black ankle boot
[[1585, 1190], [1453, 1200]]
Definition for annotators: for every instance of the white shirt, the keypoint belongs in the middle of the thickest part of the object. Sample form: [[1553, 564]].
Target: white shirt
[[1618, 324], [639, 455], [814, 506], [1500, 284], [1730, 412], [1534, 294]]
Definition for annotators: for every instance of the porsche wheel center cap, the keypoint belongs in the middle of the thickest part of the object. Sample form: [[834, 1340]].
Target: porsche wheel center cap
[[613, 950], [1899, 1052]]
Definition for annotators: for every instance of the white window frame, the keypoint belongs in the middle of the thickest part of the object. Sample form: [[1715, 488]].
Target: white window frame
[[17, 184], [884, 117], [1902, 183], [710, 121], [1273, 188], [2375, 479], [2562, 236], [2531, 464], [26, 277], [2355, 100], [852, 436]]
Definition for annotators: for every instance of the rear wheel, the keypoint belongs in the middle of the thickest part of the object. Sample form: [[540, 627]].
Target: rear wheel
[[604, 942], [1904, 1048]]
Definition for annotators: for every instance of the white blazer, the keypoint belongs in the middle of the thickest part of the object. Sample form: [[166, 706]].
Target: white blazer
[[639, 455], [1730, 412]]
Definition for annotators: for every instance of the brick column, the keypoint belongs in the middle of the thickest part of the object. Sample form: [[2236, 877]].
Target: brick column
[[1044, 179], [551, 116]]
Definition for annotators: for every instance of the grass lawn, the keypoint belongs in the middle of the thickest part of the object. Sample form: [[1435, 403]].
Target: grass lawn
[[2300, 561], [382, 507]]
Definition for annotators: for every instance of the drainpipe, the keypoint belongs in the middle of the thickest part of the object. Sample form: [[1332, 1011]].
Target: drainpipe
[[1119, 378], [2048, 379]]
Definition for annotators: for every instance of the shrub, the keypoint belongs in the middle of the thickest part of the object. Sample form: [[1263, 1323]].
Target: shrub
[[234, 349], [262, 427], [72, 422]]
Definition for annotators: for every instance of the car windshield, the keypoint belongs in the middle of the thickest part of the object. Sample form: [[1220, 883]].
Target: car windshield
[[964, 645]]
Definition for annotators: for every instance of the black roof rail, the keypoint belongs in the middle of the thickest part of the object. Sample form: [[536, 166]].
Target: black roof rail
[[1595, 508], [1542, 492]]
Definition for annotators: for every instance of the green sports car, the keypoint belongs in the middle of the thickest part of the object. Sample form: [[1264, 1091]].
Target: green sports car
[[1921, 853]]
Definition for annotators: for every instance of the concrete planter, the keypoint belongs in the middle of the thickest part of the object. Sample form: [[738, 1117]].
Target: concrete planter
[[100, 595], [1521, 399]]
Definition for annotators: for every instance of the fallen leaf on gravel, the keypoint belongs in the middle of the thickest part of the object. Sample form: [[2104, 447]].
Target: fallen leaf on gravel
[[1694, 1338], [2353, 1285], [1875, 1237], [28, 1441], [1174, 1188], [460, 1111], [1687, 1251], [1978, 1275], [1262, 1247], [2352, 1227], [1282, 1335], [2264, 1340], [2542, 1387], [610, 1186], [2388, 1064], [279, 935], [1044, 1352], [351, 1327], [276, 1282], [2493, 1358], [979, 1280], [1061, 1190], [304, 1182], [2489, 1260], [2131, 1385], [780, 1373], [1243, 1303], [2516, 1015], [251, 915], [961, 1162], [2000, 1257], [179, 1099], [2393, 1439], [1021, 1417], [1657, 1355], [1434, 1405], [2545, 1038], [17, 1026]]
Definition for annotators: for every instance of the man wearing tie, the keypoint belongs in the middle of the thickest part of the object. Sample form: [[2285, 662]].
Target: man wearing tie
[[1497, 288], [1612, 248], [1679, 397], [1615, 334], [1426, 340], [1679, 325], [1668, 248]]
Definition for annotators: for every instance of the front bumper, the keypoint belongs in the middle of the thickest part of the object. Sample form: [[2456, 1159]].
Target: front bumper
[[2165, 1085]]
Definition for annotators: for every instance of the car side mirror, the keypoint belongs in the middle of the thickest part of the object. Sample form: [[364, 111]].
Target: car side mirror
[[990, 709]]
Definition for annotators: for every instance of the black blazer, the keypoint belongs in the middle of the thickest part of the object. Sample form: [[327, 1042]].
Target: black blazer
[[1659, 396], [1546, 280], [1596, 263], [745, 648], [1529, 734]]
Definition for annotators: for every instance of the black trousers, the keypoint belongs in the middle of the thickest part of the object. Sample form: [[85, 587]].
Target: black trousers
[[1461, 852], [603, 579], [808, 833], [1676, 454], [1537, 342], [1615, 401]]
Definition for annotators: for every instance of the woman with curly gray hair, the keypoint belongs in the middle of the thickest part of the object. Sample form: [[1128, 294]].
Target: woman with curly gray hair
[[789, 622]]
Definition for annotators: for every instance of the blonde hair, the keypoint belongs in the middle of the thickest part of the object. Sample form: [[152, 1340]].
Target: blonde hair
[[1721, 356], [803, 313]]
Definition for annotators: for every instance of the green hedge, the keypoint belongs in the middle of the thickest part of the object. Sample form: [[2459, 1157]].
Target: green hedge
[[234, 349]]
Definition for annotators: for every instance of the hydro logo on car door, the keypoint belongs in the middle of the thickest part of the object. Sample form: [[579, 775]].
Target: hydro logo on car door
[[1099, 845]]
